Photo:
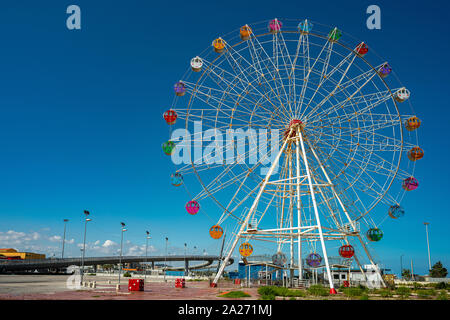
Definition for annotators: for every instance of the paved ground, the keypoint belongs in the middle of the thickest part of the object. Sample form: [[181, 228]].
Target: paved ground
[[54, 287]]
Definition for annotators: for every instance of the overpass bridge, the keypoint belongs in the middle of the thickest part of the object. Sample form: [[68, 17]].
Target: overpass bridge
[[61, 263]]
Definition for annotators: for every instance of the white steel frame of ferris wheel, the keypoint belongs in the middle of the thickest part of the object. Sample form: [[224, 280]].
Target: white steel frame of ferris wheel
[[300, 142], [262, 63]]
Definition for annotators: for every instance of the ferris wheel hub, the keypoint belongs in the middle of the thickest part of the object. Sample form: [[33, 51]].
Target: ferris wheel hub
[[292, 125], [295, 122]]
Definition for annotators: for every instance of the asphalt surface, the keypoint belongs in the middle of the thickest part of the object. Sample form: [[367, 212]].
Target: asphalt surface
[[54, 287]]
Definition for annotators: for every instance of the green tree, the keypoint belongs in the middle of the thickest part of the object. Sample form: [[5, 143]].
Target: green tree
[[438, 270], [406, 274]]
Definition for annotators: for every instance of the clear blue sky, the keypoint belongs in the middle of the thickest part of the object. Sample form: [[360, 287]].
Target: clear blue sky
[[81, 126]]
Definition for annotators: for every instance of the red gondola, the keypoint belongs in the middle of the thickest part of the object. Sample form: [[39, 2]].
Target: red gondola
[[170, 116], [347, 251]]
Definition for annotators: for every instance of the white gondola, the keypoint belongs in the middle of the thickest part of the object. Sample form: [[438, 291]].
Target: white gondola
[[196, 64], [402, 94]]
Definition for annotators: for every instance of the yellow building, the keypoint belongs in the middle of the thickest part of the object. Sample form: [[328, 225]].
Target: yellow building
[[9, 252]]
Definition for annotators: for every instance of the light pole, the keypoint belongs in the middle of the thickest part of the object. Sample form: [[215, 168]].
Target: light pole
[[146, 248], [428, 244], [165, 260], [185, 269], [64, 238], [121, 246], [86, 220], [401, 266]]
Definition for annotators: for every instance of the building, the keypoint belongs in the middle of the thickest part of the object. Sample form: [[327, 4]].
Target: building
[[356, 277], [258, 267], [13, 253]]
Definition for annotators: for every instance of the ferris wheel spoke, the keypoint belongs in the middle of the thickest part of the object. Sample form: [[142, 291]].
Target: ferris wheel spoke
[[371, 100], [267, 64], [377, 141], [219, 75], [296, 57], [353, 82], [369, 121], [351, 98], [349, 59], [356, 179], [232, 61], [303, 43], [224, 109], [326, 45], [277, 80], [288, 66], [379, 166]]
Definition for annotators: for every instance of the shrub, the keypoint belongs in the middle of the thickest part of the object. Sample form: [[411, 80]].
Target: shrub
[[280, 291], [353, 292], [441, 285], [426, 294], [442, 295], [403, 292], [127, 274], [363, 288], [297, 293], [417, 286], [268, 290], [268, 297], [364, 297], [386, 293], [235, 294], [318, 290]]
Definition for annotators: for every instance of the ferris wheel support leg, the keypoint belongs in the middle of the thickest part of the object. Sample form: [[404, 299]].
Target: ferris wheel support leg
[[371, 260], [347, 215], [360, 267], [345, 237], [316, 212], [299, 216], [291, 220], [249, 214]]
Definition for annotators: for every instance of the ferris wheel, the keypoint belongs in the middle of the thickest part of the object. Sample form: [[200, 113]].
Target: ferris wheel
[[298, 142]]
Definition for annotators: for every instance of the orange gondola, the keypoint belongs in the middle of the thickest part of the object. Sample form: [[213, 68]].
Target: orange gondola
[[216, 232], [246, 249], [415, 154], [412, 123], [245, 32], [218, 45]]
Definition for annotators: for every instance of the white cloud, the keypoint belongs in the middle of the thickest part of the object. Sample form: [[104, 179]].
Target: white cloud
[[109, 243], [55, 238], [15, 238]]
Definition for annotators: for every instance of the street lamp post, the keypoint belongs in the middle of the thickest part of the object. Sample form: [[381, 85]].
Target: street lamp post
[[401, 266], [428, 245], [146, 249], [185, 269], [121, 246], [64, 238], [86, 220], [165, 261]]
